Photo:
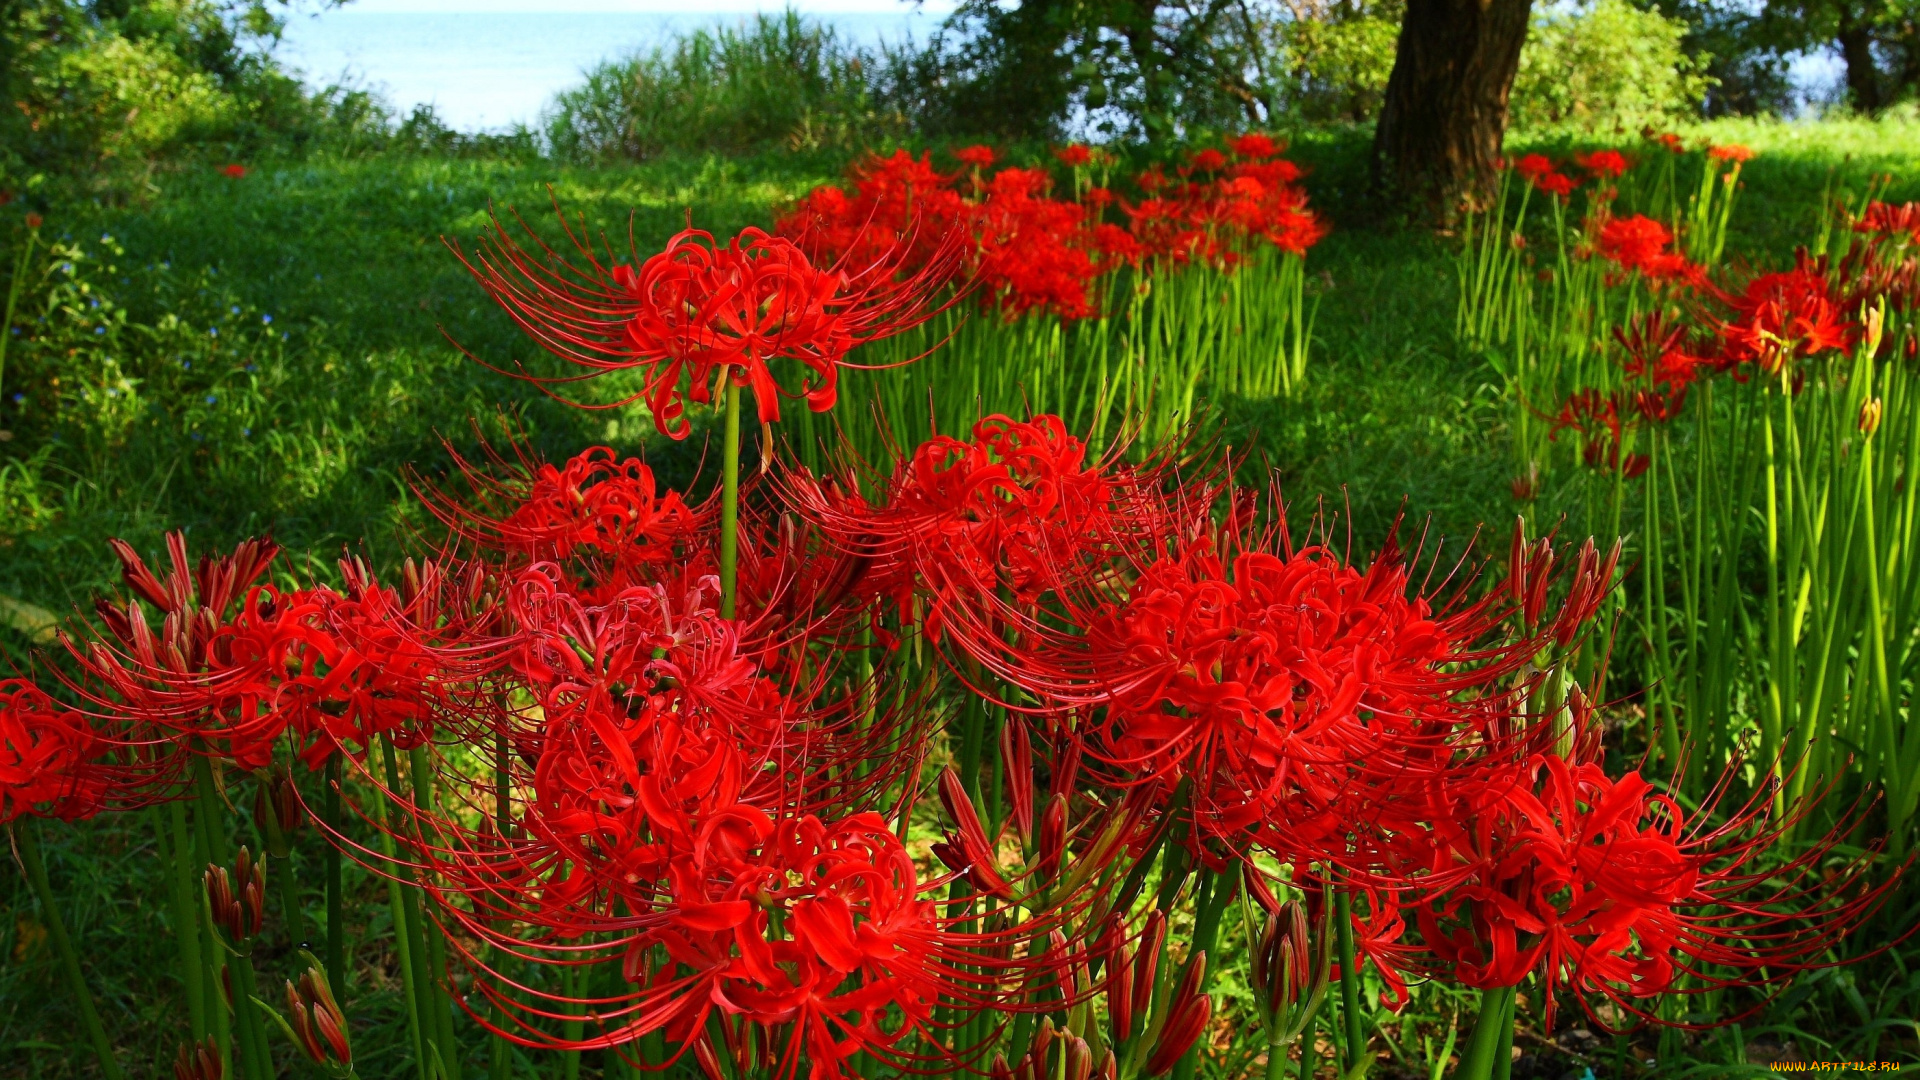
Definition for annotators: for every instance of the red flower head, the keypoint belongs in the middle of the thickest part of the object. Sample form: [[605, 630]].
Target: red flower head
[[1607, 887], [47, 753], [1634, 241], [980, 157], [1603, 164], [1254, 146], [1533, 166], [1784, 315], [1074, 155], [1667, 140], [235, 171], [697, 313], [1734, 153], [1901, 223], [1208, 160], [1559, 185]]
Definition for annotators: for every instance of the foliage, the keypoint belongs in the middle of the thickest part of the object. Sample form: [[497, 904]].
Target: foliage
[[100, 92], [1332, 62], [1605, 66], [773, 82]]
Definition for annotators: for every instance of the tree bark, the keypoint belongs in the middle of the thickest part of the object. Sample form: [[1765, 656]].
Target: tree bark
[[1437, 146], [1863, 76]]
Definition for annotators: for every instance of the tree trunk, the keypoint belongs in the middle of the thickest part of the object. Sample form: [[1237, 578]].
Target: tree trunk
[[1863, 77], [1438, 142]]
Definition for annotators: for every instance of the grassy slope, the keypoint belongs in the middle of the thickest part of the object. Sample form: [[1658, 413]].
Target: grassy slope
[[345, 254]]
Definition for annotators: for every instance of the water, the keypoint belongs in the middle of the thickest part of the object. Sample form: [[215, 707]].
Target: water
[[489, 69]]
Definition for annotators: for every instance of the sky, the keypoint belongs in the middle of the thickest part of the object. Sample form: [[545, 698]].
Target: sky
[[486, 64]]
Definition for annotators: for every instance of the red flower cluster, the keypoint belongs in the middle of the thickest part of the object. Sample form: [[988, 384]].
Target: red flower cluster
[[1030, 251], [1538, 170], [1639, 243], [698, 313]]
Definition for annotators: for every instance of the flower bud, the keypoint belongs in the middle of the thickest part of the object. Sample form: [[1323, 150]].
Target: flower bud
[[318, 1024], [1109, 1067], [1870, 416], [982, 868], [199, 1061], [1146, 960], [1000, 1070], [276, 805], [1053, 838], [1187, 1015], [1079, 1059], [33, 220], [238, 913], [1037, 1050], [1016, 758], [1120, 991], [1876, 327]]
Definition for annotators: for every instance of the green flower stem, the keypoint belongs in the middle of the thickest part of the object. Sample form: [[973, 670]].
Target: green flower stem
[[27, 844], [730, 504], [336, 916], [280, 846], [249, 1030], [186, 921], [1356, 1036], [437, 995], [408, 944], [1492, 1030]]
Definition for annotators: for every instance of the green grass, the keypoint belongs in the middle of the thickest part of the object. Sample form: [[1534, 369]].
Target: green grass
[[310, 435]]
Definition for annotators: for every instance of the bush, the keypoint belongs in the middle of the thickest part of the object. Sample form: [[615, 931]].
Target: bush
[[776, 81], [1606, 65], [1334, 66]]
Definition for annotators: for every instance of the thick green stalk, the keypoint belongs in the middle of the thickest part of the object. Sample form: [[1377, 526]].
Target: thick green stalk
[[1492, 1029], [730, 503], [437, 997], [27, 844], [280, 846], [186, 919], [408, 944], [336, 917], [1356, 1037]]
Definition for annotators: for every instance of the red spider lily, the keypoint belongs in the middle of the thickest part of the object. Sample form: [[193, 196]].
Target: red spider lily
[[1018, 506], [980, 157], [1254, 146], [1603, 164], [234, 171], [1208, 160], [1074, 155], [1733, 152], [1900, 222], [1638, 244], [697, 312], [1607, 887], [1559, 185], [1533, 166], [1667, 140], [1783, 315], [1030, 253], [49, 758], [1658, 360]]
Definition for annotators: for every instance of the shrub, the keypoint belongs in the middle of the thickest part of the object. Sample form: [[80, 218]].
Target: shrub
[[1606, 65], [775, 81]]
